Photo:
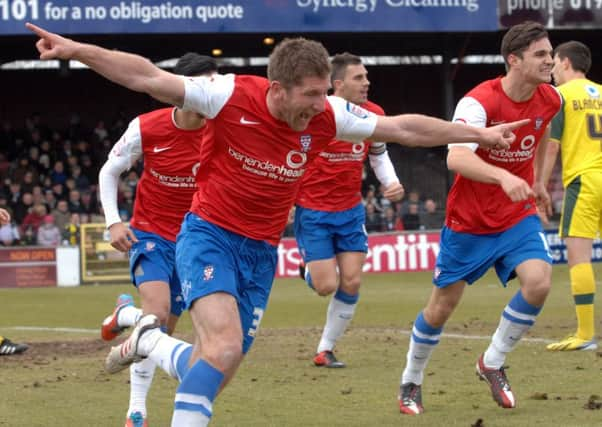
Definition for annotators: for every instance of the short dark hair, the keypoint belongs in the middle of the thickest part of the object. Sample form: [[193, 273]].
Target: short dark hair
[[340, 62], [578, 54], [294, 59], [519, 37], [192, 64]]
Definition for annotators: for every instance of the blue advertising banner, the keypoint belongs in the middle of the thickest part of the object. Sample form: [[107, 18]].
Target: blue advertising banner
[[247, 16], [559, 251]]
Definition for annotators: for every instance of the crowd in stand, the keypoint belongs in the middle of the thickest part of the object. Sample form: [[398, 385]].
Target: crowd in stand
[[49, 184], [49, 180]]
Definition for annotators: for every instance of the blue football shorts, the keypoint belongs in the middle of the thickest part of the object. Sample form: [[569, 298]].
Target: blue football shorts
[[211, 259], [153, 258], [467, 257], [322, 235]]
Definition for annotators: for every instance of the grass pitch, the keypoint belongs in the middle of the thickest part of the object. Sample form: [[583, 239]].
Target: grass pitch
[[60, 380]]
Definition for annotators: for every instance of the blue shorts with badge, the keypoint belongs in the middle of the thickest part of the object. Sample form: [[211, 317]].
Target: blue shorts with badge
[[212, 259], [467, 257], [153, 259], [322, 235]]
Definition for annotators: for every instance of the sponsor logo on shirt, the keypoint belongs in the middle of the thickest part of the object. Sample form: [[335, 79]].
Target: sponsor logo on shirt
[[526, 151], [291, 172], [592, 91], [160, 149], [244, 121], [176, 181]]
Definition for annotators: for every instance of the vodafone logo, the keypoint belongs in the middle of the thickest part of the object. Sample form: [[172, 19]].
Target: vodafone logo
[[358, 148], [296, 159], [195, 168], [527, 142]]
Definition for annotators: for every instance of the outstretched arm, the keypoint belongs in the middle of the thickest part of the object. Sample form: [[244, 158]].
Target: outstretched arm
[[423, 131], [132, 71]]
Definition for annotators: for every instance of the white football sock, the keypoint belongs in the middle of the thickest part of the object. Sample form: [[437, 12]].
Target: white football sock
[[338, 317], [141, 378], [128, 316], [505, 338]]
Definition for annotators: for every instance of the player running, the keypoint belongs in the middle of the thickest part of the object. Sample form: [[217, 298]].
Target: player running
[[262, 135], [169, 141], [491, 214], [330, 217]]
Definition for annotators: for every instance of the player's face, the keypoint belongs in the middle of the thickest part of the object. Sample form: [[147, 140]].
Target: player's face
[[355, 84], [303, 101], [537, 63], [558, 71]]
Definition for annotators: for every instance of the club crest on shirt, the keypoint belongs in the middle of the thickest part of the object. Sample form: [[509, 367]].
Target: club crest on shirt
[[150, 246], [592, 91], [208, 273], [538, 122], [305, 142], [357, 111]]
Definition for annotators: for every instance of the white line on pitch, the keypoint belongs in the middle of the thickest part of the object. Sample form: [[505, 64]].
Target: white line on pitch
[[399, 331]]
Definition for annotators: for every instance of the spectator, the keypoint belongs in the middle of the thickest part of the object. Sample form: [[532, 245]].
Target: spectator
[[89, 169], [71, 231], [412, 197], [59, 190], [81, 181], [411, 220], [370, 199], [131, 180], [100, 131], [9, 234], [22, 168], [431, 218], [23, 207], [28, 181], [38, 195], [61, 214], [373, 219], [88, 203], [126, 207], [15, 193], [75, 204], [34, 219], [391, 222], [48, 233], [58, 175], [49, 200]]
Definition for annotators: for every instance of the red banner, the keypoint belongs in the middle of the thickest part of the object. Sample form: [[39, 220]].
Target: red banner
[[387, 253], [27, 267]]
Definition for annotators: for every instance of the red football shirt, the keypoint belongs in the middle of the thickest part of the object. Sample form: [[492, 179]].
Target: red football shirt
[[333, 182], [171, 160], [252, 163], [479, 208]]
